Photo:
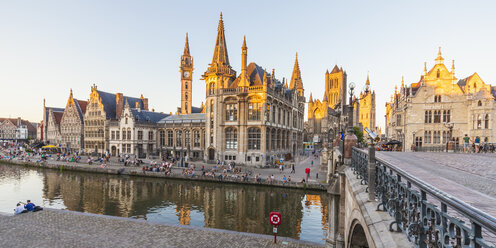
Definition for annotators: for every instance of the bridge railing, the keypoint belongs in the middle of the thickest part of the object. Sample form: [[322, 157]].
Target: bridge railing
[[428, 216]]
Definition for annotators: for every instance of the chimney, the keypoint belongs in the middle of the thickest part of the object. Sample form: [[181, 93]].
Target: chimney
[[138, 106], [119, 104], [18, 121], [145, 104]]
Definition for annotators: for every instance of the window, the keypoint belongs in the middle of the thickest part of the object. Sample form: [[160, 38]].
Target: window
[[124, 134], [448, 115], [140, 135], [437, 98], [273, 138], [113, 135], [398, 120], [187, 138], [254, 111], [162, 138], [438, 73], [479, 103], [179, 138], [212, 106], [231, 112], [231, 138], [437, 116], [486, 121], [436, 137], [150, 135], [426, 117], [117, 135], [254, 138], [125, 120], [274, 114], [444, 116], [445, 136], [479, 122], [196, 138], [186, 96], [427, 137], [129, 134], [170, 138]]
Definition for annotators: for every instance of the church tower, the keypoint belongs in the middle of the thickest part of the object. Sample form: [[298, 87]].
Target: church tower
[[186, 70], [296, 82], [219, 76], [366, 114]]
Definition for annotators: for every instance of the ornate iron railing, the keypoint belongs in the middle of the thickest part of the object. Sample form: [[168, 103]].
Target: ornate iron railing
[[428, 216]]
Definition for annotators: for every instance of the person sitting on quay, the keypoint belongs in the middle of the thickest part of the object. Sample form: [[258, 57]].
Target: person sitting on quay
[[289, 179], [19, 209], [29, 206], [284, 179]]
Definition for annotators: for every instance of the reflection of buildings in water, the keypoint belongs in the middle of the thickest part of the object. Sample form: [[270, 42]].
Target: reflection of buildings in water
[[316, 200], [235, 207]]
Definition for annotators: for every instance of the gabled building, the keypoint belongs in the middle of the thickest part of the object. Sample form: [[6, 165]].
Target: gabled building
[[16, 129], [50, 125], [135, 132], [103, 108], [439, 108], [72, 124]]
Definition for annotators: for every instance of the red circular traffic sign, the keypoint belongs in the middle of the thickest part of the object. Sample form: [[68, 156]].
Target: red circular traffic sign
[[275, 218]]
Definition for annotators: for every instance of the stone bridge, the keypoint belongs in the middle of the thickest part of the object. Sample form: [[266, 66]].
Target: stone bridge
[[374, 203]]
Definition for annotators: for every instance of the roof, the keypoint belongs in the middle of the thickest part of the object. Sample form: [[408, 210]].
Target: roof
[[255, 76], [29, 125], [58, 117], [196, 110], [109, 103], [147, 116], [196, 117], [336, 69], [81, 107]]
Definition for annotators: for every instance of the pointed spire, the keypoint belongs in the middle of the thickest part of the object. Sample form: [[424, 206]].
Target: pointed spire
[[402, 82], [244, 56], [452, 66], [296, 82], [368, 81], [220, 52], [439, 59], [265, 78], [71, 92], [425, 68], [186, 47], [311, 99], [324, 99]]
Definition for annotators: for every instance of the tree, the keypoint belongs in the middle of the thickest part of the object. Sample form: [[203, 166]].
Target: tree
[[358, 132]]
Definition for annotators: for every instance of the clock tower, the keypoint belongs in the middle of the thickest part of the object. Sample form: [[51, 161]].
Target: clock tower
[[186, 70]]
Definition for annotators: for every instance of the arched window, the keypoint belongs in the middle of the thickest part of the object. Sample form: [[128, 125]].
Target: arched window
[[196, 138], [479, 103], [187, 138], [179, 138], [170, 138], [486, 121], [231, 138], [273, 139], [479, 122], [212, 106], [426, 117], [162, 138], [211, 90], [254, 138], [231, 112]]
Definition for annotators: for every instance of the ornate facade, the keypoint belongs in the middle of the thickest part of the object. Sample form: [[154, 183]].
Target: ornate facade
[[135, 132], [253, 118], [50, 125], [323, 118], [72, 125], [366, 108], [439, 107], [103, 108]]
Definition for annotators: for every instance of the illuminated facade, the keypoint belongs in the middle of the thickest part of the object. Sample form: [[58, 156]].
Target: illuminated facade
[[425, 112], [366, 108], [251, 118], [323, 118], [71, 125]]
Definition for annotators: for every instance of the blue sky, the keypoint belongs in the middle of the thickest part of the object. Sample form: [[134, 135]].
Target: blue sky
[[134, 47]]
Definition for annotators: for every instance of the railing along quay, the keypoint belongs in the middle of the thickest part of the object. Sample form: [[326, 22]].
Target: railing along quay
[[422, 212]]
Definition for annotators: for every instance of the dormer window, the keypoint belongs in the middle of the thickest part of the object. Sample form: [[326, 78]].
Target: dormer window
[[438, 73]]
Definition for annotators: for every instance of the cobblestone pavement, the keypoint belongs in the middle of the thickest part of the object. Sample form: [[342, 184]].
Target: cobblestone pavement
[[468, 177], [305, 162], [60, 228]]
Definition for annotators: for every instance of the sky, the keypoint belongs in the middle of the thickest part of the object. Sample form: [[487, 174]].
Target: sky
[[134, 47]]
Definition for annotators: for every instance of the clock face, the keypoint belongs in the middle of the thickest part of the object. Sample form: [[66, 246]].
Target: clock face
[[186, 74]]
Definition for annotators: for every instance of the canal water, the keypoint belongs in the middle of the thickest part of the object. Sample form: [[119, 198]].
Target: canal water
[[242, 208]]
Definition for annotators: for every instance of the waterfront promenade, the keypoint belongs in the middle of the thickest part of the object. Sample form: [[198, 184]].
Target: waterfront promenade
[[61, 228], [114, 167]]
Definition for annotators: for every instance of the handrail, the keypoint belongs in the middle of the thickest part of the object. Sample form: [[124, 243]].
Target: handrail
[[419, 218]]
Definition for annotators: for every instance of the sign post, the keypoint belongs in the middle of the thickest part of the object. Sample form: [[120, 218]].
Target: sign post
[[275, 220]]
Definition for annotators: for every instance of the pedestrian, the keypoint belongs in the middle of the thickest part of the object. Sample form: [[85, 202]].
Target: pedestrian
[[292, 169], [466, 143], [477, 144], [312, 162]]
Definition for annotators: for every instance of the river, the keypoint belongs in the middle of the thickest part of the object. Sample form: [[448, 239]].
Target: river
[[243, 208]]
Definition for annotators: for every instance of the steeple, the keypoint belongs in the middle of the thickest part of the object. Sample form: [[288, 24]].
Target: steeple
[[265, 77], [311, 99], [425, 68], [453, 67], [220, 53], [186, 47], [439, 59], [367, 83], [245, 82], [296, 82], [244, 55], [402, 82]]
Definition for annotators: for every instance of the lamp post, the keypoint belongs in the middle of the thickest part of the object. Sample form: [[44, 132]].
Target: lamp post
[[415, 143], [450, 143]]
